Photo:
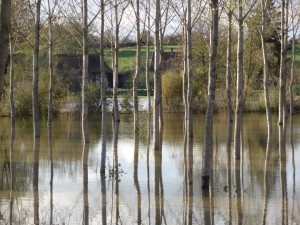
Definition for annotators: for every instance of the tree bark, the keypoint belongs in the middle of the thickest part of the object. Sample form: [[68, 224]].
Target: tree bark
[[85, 58], [292, 76], [239, 83], [35, 80], [212, 76], [137, 69], [5, 27], [157, 79]]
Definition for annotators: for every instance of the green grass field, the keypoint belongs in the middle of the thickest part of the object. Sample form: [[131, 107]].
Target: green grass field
[[127, 57]]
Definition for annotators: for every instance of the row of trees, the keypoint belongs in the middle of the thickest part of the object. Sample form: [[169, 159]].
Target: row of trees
[[91, 21]]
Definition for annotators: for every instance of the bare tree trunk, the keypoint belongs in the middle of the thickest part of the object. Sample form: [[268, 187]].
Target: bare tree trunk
[[239, 83], [116, 66], [12, 82], [137, 69], [265, 66], [189, 71], [103, 94], [282, 77], [292, 77], [85, 58], [35, 80], [157, 79], [147, 58], [212, 76], [184, 75], [5, 26], [50, 94], [228, 66]]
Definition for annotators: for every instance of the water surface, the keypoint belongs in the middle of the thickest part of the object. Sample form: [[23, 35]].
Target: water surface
[[57, 180]]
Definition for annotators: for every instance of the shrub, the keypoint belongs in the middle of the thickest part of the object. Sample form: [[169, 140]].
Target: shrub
[[94, 98], [126, 102], [23, 97], [172, 91]]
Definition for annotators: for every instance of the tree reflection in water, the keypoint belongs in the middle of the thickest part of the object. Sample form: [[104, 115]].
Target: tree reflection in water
[[156, 187], [36, 151], [85, 156]]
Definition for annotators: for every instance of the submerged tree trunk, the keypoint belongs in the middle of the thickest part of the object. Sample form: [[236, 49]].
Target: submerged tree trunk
[[5, 27], [12, 82], [103, 94], [116, 66], [157, 80], [35, 79], [137, 69], [184, 75], [212, 76], [292, 77], [85, 58], [147, 57], [228, 66], [282, 76], [50, 94], [239, 83], [189, 71], [265, 66]]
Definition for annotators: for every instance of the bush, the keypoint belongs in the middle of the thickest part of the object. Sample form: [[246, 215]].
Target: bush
[[23, 97], [126, 103], [94, 98], [172, 91]]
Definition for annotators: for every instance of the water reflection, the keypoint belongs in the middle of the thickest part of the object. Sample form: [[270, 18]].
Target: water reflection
[[85, 154], [36, 204], [55, 179]]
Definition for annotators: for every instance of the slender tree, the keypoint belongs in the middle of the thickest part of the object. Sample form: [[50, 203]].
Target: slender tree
[[35, 80], [295, 23], [103, 89], [119, 9], [85, 58], [138, 67], [189, 70], [148, 55], [157, 79], [50, 12], [5, 26], [264, 5], [12, 71], [283, 63], [228, 62], [212, 76], [240, 75]]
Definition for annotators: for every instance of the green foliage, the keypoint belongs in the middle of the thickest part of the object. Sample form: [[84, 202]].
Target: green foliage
[[23, 91], [172, 91], [59, 93], [126, 101], [94, 98]]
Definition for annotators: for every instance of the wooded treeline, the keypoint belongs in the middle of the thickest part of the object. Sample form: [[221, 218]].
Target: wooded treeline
[[233, 46]]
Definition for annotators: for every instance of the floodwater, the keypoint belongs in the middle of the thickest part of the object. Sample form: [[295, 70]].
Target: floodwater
[[57, 180]]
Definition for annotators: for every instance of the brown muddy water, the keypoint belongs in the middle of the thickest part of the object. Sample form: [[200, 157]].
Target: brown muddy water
[[57, 180]]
